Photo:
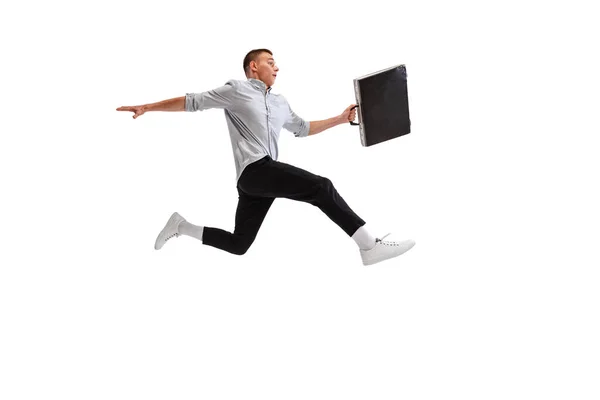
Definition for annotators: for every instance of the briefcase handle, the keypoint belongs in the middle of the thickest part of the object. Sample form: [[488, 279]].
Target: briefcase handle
[[351, 122]]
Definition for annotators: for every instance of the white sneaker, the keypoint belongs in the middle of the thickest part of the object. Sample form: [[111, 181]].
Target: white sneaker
[[170, 230], [384, 250]]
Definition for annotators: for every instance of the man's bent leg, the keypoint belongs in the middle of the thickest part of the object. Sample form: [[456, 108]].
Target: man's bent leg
[[250, 214]]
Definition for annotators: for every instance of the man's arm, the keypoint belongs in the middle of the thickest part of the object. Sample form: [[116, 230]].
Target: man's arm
[[221, 97], [174, 104], [320, 126]]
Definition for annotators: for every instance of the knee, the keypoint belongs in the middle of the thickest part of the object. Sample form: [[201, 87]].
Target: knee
[[241, 247], [239, 251], [325, 183], [325, 188]]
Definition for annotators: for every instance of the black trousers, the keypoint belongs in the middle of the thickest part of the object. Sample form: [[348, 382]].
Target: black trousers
[[258, 186]]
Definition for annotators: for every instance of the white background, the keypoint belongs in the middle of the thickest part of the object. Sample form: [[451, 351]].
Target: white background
[[497, 183]]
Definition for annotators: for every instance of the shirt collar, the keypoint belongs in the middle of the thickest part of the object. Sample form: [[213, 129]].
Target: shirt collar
[[257, 83]]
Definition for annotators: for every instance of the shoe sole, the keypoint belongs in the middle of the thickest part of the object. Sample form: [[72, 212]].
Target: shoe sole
[[380, 259]]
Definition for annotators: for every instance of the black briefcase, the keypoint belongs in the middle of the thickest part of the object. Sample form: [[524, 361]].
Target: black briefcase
[[382, 99]]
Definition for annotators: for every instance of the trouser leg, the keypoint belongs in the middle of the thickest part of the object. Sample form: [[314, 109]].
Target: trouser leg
[[249, 216], [270, 178]]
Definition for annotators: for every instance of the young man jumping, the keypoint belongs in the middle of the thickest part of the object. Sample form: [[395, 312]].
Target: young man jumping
[[255, 117]]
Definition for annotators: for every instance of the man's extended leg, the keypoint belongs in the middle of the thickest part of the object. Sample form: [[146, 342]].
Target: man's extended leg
[[267, 177]]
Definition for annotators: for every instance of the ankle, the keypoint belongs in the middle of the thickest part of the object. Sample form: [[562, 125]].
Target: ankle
[[364, 239], [185, 228]]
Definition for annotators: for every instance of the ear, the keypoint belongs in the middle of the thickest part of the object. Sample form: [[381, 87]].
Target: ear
[[253, 66]]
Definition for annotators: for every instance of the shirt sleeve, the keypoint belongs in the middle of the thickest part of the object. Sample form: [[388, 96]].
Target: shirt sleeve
[[295, 124], [221, 97]]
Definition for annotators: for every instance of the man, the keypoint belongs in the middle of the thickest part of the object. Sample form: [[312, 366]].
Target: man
[[254, 118]]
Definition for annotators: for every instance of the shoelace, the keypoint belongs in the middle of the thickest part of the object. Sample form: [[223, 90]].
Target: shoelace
[[175, 234], [386, 243], [384, 236]]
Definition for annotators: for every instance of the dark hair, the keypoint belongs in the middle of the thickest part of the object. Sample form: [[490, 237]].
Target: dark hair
[[252, 56]]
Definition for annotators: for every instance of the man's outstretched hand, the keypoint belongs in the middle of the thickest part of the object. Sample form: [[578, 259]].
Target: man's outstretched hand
[[137, 110], [349, 113]]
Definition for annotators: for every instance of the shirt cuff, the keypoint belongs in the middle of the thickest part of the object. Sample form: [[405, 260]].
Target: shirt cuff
[[191, 103], [304, 129]]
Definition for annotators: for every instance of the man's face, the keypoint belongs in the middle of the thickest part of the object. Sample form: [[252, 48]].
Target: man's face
[[266, 69]]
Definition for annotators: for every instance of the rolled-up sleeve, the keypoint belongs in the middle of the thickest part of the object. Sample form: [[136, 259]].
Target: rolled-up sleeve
[[221, 97], [295, 124]]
